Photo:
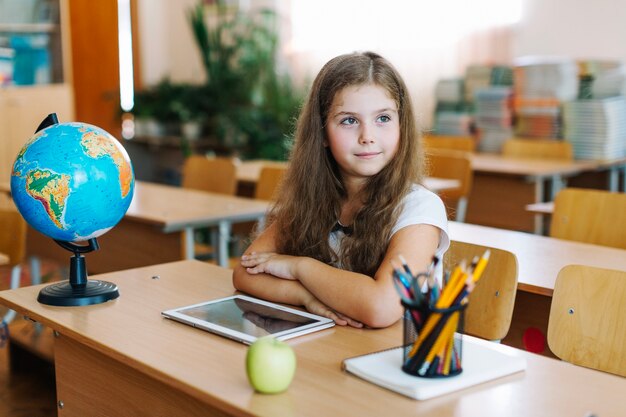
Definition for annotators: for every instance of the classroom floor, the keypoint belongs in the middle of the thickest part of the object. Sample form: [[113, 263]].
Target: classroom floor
[[29, 390], [27, 386]]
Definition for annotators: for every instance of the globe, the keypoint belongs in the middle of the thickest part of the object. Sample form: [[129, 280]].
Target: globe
[[72, 181]]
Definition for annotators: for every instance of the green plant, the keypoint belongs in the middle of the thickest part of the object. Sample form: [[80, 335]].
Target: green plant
[[252, 105]]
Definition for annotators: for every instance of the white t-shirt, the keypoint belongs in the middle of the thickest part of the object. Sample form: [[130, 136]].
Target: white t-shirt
[[420, 206]]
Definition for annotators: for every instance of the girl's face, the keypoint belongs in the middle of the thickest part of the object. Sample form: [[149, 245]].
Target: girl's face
[[363, 130]]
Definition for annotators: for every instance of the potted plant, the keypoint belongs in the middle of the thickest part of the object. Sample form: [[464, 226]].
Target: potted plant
[[251, 105]]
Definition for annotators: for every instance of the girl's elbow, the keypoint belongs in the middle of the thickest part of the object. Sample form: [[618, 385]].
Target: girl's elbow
[[239, 278], [381, 316]]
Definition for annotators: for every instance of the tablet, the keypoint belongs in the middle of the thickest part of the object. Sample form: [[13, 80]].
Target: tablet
[[245, 319]]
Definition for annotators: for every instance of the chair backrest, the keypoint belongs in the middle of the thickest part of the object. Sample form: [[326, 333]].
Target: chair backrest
[[538, 148], [12, 235], [217, 175], [586, 325], [452, 165], [457, 143], [590, 216], [269, 181], [491, 303]]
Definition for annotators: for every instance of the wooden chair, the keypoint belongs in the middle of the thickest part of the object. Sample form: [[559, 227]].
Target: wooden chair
[[586, 325], [538, 148], [12, 244], [217, 175], [490, 307], [456, 143], [269, 181], [265, 189], [453, 165], [590, 216]]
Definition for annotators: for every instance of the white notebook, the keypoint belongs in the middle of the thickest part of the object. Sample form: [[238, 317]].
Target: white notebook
[[482, 361]]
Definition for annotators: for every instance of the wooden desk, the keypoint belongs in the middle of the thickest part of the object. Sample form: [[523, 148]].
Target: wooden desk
[[150, 231], [617, 169], [540, 257], [123, 358], [504, 185], [248, 173], [5, 187]]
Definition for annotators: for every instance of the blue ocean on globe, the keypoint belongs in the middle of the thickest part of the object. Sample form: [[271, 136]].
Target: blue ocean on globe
[[72, 181]]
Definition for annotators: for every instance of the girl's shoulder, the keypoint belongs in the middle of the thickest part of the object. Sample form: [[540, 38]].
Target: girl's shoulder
[[421, 202], [418, 192]]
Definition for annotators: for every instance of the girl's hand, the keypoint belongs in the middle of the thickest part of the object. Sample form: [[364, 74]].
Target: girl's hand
[[280, 266], [315, 306]]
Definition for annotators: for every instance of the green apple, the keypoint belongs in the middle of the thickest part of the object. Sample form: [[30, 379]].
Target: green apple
[[270, 365]]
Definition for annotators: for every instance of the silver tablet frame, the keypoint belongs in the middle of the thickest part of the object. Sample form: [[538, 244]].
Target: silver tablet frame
[[177, 314]]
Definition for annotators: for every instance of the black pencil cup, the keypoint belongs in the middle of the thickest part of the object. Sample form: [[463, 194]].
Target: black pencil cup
[[433, 346]]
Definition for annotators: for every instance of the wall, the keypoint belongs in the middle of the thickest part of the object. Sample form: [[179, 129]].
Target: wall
[[166, 42], [574, 28]]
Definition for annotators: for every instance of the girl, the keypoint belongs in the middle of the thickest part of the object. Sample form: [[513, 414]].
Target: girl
[[350, 203]]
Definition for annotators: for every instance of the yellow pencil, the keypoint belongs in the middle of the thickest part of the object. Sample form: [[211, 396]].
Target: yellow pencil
[[446, 333], [480, 267], [448, 294]]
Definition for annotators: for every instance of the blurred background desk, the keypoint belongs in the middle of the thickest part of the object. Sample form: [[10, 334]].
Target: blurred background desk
[[151, 231], [248, 173], [503, 186]]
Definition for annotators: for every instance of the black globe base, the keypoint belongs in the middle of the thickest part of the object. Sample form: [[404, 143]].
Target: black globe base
[[78, 290], [67, 295]]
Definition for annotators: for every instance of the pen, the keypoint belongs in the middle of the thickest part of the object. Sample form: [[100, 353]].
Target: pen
[[402, 277], [405, 265]]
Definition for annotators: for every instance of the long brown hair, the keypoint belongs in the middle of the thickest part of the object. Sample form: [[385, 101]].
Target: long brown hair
[[312, 192]]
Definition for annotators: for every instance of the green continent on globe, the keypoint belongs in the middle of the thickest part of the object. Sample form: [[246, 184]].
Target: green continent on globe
[[52, 190], [97, 146]]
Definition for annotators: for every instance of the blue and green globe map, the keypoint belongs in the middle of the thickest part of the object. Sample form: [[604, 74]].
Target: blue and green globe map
[[72, 181]]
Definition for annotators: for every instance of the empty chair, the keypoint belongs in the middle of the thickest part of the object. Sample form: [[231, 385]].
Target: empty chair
[[586, 325], [12, 244], [457, 166], [491, 303], [590, 216], [217, 175], [457, 143], [538, 148], [269, 181], [266, 188]]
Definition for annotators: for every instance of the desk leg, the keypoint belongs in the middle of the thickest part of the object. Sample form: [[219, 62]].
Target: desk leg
[[558, 183], [614, 179], [189, 243], [222, 248], [538, 218]]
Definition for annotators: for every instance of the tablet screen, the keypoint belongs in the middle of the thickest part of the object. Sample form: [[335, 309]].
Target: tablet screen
[[247, 317]]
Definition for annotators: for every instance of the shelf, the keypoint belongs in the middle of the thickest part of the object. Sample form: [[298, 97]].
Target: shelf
[[28, 27]]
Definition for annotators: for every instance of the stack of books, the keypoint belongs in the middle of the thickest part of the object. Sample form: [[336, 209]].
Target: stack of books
[[541, 85], [452, 114], [482, 76], [494, 117], [608, 78], [596, 128]]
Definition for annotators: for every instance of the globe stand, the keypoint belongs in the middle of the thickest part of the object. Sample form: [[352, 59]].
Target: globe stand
[[78, 291]]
